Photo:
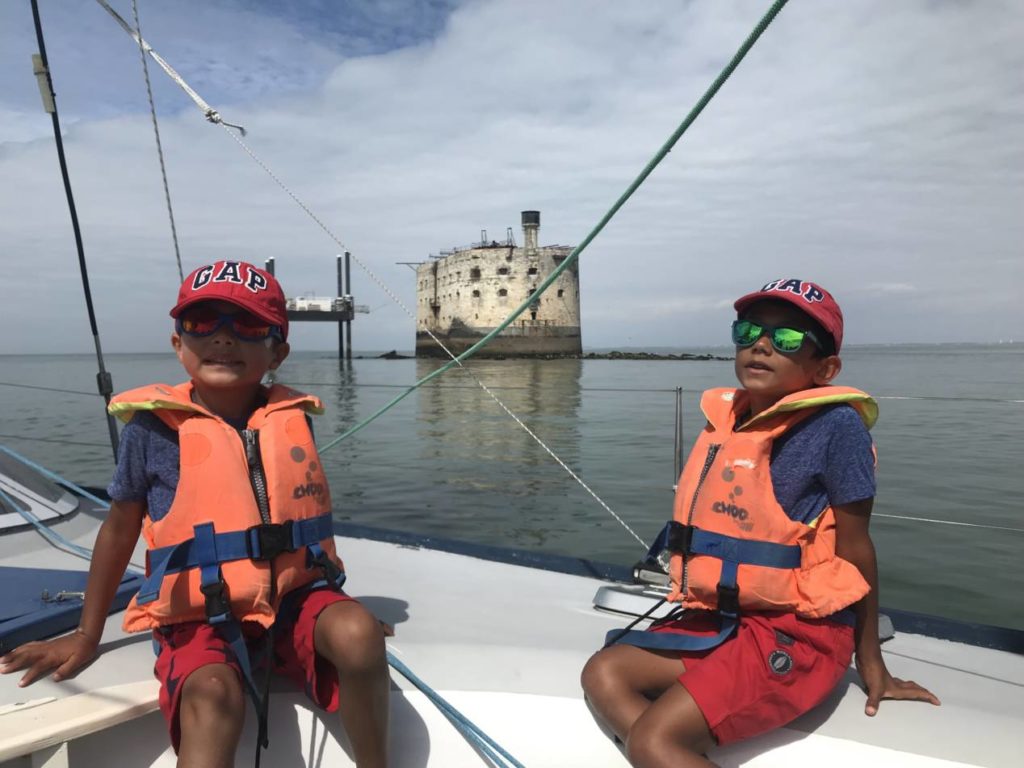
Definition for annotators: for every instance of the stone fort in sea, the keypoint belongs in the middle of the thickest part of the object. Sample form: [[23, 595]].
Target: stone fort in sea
[[465, 293]]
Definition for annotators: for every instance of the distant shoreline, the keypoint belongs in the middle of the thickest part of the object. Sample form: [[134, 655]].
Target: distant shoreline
[[616, 355], [613, 355]]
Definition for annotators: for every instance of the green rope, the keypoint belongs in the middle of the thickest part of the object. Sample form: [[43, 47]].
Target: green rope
[[648, 169]]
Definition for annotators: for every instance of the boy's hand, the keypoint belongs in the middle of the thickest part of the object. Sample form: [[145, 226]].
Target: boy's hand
[[882, 685], [68, 654]]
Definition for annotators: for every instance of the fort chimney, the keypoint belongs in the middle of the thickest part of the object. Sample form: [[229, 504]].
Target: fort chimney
[[531, 226]]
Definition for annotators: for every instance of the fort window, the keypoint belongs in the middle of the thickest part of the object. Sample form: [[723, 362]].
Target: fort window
[[474, 273], [531, 271], [476, 294], [560, 293], [503, 292], [502, 270]]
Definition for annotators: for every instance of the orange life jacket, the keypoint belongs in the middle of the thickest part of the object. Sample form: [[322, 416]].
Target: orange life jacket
[[226, 477], [726, 489]]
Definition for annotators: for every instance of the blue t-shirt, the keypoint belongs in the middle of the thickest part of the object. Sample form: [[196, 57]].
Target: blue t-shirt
[[148, 460], [825, 460]]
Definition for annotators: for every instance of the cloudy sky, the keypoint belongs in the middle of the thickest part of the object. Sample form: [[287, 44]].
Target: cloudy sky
[[875, 147]]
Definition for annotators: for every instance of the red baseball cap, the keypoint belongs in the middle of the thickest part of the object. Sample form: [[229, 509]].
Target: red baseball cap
[[238, 282], [808, 297]]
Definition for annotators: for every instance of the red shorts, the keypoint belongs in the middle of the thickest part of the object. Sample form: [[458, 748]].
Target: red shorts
[[775, 668], [184, 648]]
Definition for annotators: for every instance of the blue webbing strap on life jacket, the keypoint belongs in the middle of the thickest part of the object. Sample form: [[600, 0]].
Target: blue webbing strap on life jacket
[[334, 577], [218, 606], [660, 543], [260, 542], [733, 552], [688, 540]]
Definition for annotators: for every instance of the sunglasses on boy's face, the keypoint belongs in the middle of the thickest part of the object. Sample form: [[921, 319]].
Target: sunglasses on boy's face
[[205, 321], [788, 341]]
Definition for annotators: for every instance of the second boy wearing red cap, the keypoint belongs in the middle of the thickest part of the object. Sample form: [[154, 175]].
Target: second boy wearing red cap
[[790, 452], [240, 283]]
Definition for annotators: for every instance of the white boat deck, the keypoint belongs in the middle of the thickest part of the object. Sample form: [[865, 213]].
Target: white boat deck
[[505, 645]]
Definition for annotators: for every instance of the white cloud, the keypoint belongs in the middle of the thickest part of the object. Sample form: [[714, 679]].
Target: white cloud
[[872, 147]]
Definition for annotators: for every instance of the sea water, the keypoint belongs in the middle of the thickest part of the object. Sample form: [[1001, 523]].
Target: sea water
[[449, 461]]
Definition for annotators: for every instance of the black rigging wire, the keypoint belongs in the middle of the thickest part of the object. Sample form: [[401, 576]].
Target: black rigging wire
[[104, 382]]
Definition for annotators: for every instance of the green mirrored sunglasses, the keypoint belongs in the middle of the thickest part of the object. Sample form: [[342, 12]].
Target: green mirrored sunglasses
[[745, 333]]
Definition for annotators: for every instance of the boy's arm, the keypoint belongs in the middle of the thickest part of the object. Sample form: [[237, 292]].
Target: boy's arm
[[853, 544], [114, 545]]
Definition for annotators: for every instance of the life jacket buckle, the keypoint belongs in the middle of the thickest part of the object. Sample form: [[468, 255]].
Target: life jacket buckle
[[333, 575], [729, 601], [680, 537], [218, 607], [267, 541]]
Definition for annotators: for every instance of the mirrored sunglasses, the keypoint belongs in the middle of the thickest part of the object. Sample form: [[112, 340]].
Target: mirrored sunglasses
[[203, 321], [745, 333]]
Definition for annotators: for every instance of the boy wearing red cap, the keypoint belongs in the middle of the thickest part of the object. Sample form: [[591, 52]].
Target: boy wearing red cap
[[221, 476], [770, 552]]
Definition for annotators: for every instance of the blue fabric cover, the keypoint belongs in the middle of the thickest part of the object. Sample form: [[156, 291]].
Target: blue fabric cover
[[25, 616]]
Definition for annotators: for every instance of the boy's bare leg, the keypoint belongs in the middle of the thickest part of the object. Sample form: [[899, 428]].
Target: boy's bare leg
[[621, 681], [211, 714], [351, 639], [671, 733]]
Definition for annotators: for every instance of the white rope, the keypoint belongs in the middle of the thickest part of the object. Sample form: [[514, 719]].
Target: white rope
[[949, 522], [213, 116], [563, 465], [159, 145], [949, 399], [208, 111]]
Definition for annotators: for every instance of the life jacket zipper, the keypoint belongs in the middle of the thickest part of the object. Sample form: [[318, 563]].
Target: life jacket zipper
[[708, 461], [257, 477], [258, 480]]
